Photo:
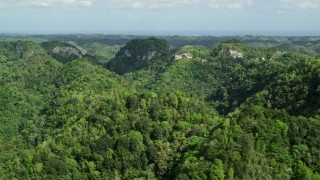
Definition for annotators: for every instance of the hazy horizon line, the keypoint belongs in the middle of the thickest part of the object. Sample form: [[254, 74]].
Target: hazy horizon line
[[148, 33]]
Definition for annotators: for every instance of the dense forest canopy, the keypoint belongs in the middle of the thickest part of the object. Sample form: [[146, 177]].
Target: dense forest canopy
[[176, 107]]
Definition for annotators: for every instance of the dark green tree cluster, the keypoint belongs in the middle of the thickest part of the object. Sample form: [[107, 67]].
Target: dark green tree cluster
[[139, 54]]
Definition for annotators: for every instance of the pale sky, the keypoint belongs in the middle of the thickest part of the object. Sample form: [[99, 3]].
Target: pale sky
[[162, 17]]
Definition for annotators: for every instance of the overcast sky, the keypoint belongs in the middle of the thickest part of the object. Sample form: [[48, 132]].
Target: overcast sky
[[162, 17]]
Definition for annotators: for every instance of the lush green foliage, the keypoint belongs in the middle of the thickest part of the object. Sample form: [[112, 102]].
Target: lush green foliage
[[103, 53], [230, 112]]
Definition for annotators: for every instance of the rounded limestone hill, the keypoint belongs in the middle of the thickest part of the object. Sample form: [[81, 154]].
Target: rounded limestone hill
[[62, 51], [139, 54]]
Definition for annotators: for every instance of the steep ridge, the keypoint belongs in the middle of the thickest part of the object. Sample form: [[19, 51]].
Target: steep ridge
[[62, 51], [139, 54]]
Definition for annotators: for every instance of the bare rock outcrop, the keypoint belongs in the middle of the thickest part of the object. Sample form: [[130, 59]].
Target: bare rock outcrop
[[67, 50], [183, 56]]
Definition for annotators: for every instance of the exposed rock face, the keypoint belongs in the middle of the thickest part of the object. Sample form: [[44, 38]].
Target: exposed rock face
[[203, 60], [138, 54], [150, 55], [278, 54], [229, 52], [23, 51], [67, 50], [183, 56], [235, 54], [127, 53], [19, 50], [146, 56]]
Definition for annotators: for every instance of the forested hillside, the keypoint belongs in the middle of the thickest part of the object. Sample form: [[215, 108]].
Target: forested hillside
[[147, 108], [309, 45]]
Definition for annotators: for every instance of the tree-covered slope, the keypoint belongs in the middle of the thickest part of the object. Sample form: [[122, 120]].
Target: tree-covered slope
[[102, 53], [226, 75], [230, 112], [27, 77]]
